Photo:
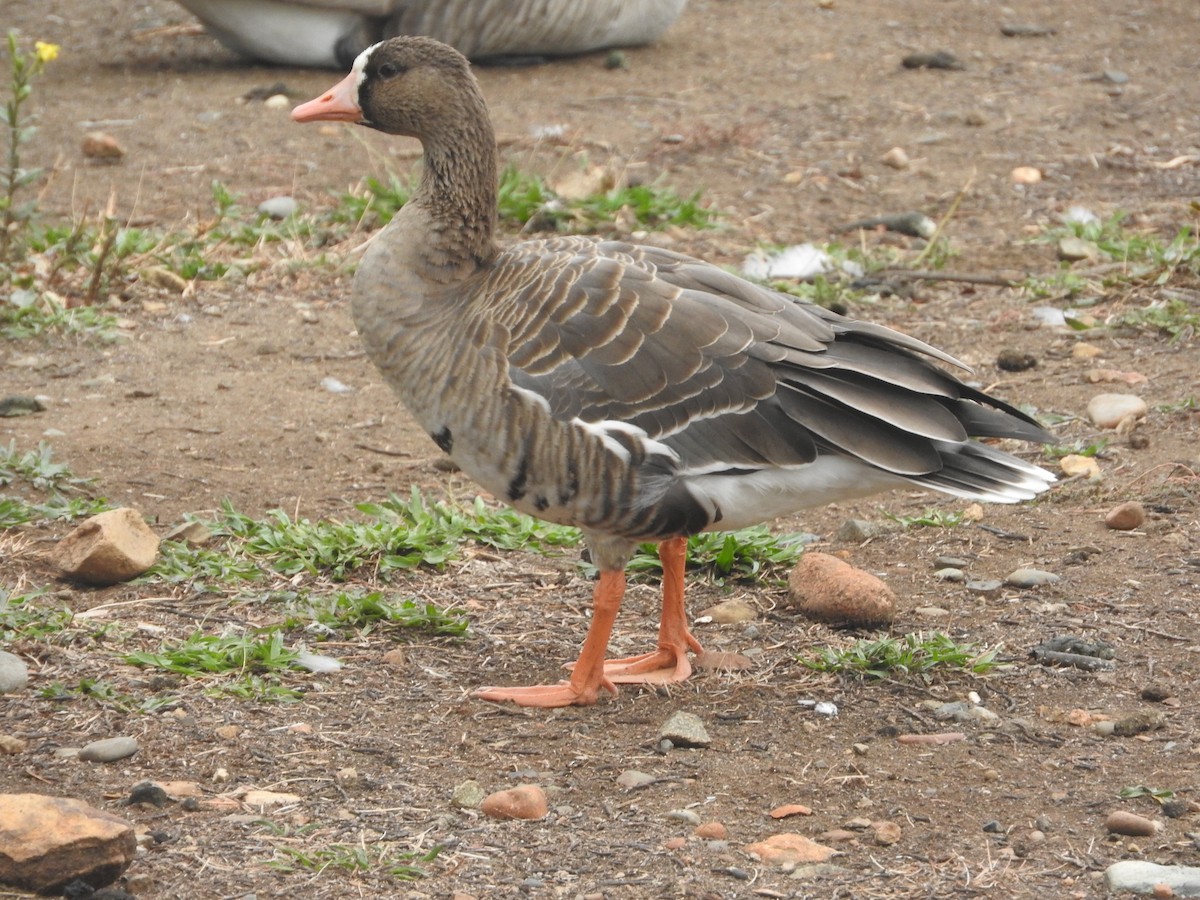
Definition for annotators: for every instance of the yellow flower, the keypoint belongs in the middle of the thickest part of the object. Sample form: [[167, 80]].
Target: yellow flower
[[45, 52]]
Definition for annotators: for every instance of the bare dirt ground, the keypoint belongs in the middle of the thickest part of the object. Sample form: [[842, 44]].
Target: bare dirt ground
[[779, 113]]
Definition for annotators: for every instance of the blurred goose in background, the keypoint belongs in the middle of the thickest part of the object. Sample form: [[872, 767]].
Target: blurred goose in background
[[331, 33], [637, 393]]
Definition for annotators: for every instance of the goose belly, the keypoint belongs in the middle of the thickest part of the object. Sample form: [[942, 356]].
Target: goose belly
[[752, 498]]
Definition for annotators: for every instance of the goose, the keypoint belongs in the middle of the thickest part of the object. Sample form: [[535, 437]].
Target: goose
[[635, 392], [331, 33]]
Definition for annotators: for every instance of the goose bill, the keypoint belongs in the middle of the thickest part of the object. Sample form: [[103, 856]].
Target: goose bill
[[338, 104]]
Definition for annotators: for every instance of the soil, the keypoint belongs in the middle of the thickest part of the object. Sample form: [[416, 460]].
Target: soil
[[779, 113]]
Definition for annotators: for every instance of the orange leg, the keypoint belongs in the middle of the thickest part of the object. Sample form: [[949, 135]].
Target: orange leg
[[587, 676], [670, 661]]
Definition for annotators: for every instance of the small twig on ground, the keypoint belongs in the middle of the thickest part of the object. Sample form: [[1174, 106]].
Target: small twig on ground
[[926, 275], [941, 225]]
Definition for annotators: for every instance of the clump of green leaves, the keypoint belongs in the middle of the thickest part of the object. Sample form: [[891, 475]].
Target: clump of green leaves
[[371, 610], [30, 314], [931, 518], [257, 660], [1158, 795], [353, 858], [37, 470], [30, 617], [913, 654], [1127, 259], [1078, 448], [1173, 318], [206, 654], [745, 555], [398, 534], [527, 201], [105, 693]]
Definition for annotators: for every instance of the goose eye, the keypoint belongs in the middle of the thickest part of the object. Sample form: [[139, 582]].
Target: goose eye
[[387, 70]]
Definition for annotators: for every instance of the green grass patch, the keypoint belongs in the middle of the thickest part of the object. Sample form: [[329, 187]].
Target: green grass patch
[[524, 199], [256, 660], [355, 858], [1095, 448], [914, 654], [38, 471], [107, 695], [931, 518], [406, 533], [1125, 259], [366, 612], [745, 555], [205, 654], [31, 617], [398, 534]]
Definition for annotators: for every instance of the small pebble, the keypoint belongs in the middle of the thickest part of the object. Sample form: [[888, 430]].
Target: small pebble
[[684, 729], [950, 574], [632, 778], [101, 147], [886, 833], [939, 60], [1074, 465], [950, 562], [790, 809], [1076, 249], [1139, 723], [14, 674], [895, 158], [1126, 517], [525, 802], [1015, 361], [986, 586], [277, 101], [278, 207], [1110, 410], [1131, 824], [712, 831], [149, 793], [10, 745], [1157, 693], [1026, 175], [1030, 578], [109, 749]]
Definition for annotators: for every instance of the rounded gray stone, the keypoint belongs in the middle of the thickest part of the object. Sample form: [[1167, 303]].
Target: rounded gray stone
[[109, 749], [13, 673], [685, 729], [1030, 578], [1141, 877]]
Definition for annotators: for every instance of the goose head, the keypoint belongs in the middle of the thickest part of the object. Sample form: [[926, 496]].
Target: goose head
[[406, 86]]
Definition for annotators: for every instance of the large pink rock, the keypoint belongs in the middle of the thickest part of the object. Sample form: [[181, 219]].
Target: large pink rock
[[789, 849], [525, 802], [108, 548], [826, 589], [48, 842]]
